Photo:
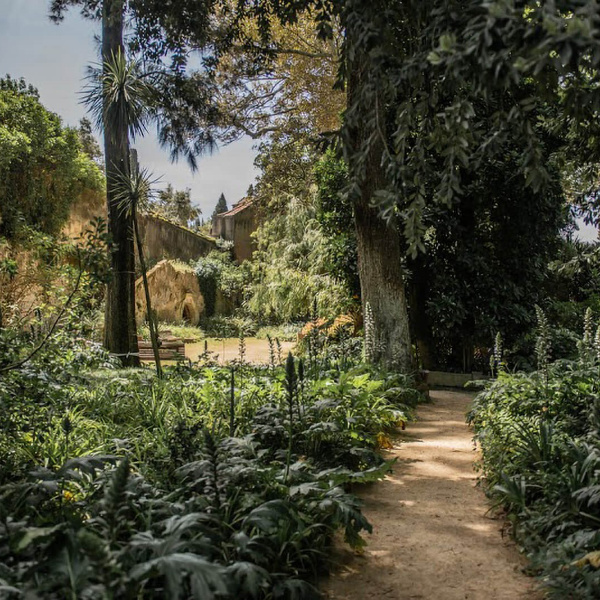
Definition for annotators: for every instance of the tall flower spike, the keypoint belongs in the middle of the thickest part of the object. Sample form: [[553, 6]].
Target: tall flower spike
[[498, 349], [542, 346], [369, 339], [587, 342]]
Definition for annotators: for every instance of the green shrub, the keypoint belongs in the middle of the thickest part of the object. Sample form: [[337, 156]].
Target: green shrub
[[540, 443], [118, 484]]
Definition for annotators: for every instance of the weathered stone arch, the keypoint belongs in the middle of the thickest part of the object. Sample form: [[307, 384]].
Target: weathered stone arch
[[174, 292], [190, 309]]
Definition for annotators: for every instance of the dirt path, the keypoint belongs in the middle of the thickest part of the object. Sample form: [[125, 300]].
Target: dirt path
[[227, 349], [433, 538]]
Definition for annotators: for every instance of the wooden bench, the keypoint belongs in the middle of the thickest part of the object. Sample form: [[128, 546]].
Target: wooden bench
[[169, 347]]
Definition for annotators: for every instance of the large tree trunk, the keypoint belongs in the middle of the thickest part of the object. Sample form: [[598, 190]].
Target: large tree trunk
[[120, 335], [382, 285], [380, 250]]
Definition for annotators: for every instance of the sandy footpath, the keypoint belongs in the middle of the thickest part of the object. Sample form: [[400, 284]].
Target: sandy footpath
[[433, 538]]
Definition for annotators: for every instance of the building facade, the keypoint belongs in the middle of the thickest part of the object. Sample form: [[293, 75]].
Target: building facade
[[237, 225]]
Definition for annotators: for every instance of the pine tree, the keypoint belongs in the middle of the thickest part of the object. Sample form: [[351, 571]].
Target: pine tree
[[221, 206]]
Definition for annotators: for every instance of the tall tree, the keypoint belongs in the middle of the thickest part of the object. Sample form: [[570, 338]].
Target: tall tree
[[380, 248], [164, 35], [88, 142], [221, 206], [120, 332], [176, 205], [380, 251], [416, 74], [287, 102]]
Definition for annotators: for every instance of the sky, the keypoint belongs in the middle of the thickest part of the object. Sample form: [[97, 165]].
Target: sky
[[53, 58]]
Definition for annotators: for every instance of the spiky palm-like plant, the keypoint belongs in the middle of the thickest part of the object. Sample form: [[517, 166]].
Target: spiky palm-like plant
[[134, 189], [123, 98]]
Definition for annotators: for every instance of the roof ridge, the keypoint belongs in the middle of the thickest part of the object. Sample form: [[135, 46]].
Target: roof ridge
[[237, 208]]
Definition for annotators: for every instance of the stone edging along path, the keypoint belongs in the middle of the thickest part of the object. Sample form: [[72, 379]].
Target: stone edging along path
[[433, 535]]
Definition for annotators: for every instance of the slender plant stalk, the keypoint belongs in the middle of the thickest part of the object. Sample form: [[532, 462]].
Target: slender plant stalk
[[151, 321], [300, 396], [232, 404], [290, 384]]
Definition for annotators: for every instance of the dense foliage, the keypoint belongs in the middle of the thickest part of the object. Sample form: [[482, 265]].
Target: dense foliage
[[459, 124], [212, 482], [176, 205], [43, 168], [539, 436], [485, 265], [290, 269]]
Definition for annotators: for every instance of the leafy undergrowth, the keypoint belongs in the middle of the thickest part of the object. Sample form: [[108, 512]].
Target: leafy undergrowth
[[540, 438], [211, 483]]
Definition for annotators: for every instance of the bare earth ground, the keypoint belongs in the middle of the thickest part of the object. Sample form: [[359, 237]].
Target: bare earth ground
[[227, 349], [433, 537]]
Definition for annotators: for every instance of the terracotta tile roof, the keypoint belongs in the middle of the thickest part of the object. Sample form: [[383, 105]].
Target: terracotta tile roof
[[237, 208]]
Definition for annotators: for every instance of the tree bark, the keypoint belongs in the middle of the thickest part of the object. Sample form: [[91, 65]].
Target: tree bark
[[120, 333], [382, 285], [380, 252]]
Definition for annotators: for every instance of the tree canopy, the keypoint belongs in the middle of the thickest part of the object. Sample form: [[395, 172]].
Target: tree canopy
[[43, 166], [176, 205]]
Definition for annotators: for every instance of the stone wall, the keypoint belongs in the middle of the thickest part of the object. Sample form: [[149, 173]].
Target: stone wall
[[162, 239], [243, 242], [165, 240], [89, 206], [174, 293]]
